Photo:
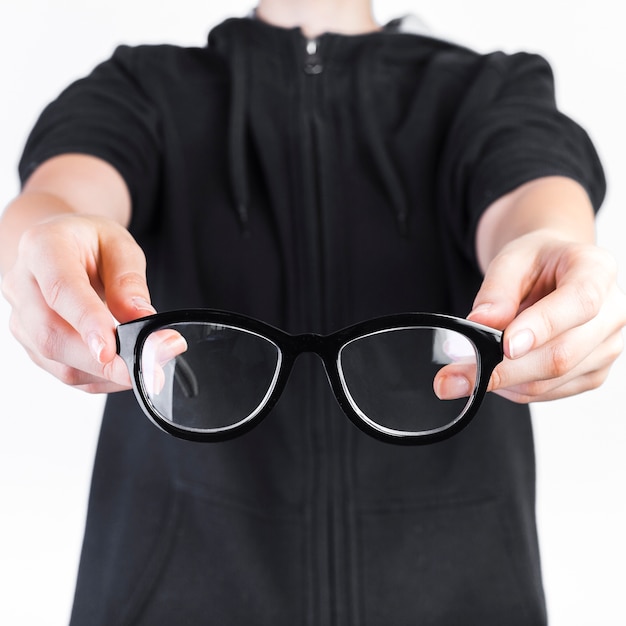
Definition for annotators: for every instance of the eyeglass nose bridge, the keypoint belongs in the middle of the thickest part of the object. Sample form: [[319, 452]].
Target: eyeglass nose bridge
[[325, 347], [313, 343]]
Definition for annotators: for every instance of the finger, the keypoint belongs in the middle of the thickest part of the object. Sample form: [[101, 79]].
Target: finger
[[164, 345], [58, 349], [68, 262], [454, 381], [580, 384], [507, 282], [583, 284], [557, 368], [563, 288], [81, 379], [55, 346], [123, 272], [159, 349], [61, 263]]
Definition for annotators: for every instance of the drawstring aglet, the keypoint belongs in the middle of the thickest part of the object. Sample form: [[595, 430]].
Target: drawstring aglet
[[242, 214]]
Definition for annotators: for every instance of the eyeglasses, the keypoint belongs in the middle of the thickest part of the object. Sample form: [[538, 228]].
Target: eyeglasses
[[207, 375]]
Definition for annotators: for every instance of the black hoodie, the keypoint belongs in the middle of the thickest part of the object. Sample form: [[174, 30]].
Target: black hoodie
[[313, 185]]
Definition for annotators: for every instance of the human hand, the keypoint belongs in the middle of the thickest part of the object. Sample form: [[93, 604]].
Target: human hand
[[74, 275], [562, 312]]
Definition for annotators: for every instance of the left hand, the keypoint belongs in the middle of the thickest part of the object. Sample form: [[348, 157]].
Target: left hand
[[562, 311]]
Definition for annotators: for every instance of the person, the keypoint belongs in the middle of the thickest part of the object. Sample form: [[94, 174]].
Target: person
[[313, 169]]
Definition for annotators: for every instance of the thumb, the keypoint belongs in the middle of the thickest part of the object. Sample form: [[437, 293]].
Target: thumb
[[507, 285], [123, 275]]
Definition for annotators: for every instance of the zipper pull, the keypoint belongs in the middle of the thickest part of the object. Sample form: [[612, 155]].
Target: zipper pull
[[313, 62]]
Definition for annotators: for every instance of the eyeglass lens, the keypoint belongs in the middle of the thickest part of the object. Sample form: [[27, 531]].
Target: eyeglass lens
[[389, 377], [205, 376]]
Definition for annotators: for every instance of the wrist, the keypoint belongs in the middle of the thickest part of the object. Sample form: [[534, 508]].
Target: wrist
[[27, 210], [554, 208]]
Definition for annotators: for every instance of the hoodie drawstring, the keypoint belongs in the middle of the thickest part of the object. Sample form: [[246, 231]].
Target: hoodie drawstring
[[373, 135], [237, 135]]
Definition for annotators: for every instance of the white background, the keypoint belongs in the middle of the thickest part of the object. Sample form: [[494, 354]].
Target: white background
[[48, 432]]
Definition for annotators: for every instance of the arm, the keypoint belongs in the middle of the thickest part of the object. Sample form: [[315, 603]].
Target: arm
[[69, 267], [551, 289]]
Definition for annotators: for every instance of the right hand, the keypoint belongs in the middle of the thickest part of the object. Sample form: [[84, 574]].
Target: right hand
[[73, 276]]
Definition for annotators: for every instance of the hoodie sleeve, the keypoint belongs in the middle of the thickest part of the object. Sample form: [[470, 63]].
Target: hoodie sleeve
[[508, 131], [107, 115]]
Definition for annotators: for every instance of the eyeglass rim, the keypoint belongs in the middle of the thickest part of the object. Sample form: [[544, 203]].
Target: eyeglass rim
[[130, 337]]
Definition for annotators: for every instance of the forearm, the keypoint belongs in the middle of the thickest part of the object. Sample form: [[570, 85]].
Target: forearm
[[558, 205], [67, 184]]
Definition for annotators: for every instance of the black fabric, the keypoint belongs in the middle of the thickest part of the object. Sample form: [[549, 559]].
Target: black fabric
[[313, 191]]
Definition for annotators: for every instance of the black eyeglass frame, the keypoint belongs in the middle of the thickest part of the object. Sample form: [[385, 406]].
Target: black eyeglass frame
[[131, 336]]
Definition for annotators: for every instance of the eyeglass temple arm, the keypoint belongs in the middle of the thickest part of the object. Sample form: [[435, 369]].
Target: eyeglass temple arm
[[185, 377]]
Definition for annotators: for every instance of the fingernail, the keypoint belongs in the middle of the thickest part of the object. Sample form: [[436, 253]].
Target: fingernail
[[171, 348], [141, 304], [96, 346], [453, 387], [521, 343], [481, 308]]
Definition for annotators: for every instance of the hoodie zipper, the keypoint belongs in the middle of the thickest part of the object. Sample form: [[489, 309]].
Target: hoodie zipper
[[326, 511], [313, 62], [313, 68]]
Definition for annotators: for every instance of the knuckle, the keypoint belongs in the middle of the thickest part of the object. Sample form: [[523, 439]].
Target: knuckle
[[34, 243], [597, 379], [29, 240], [599, 274], [561, 360], [505, 263], [107, 370], [517, 395], [53, 291], [548, 323], [46, 342], [590, 298], [592, 380], [615, 346], [7, 287], [496, 381], [95, 386], [541, 390], [69, 375], [90, 388], [80, 321], [522, 398], [15, 327], [130, 280], [534, 390]]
